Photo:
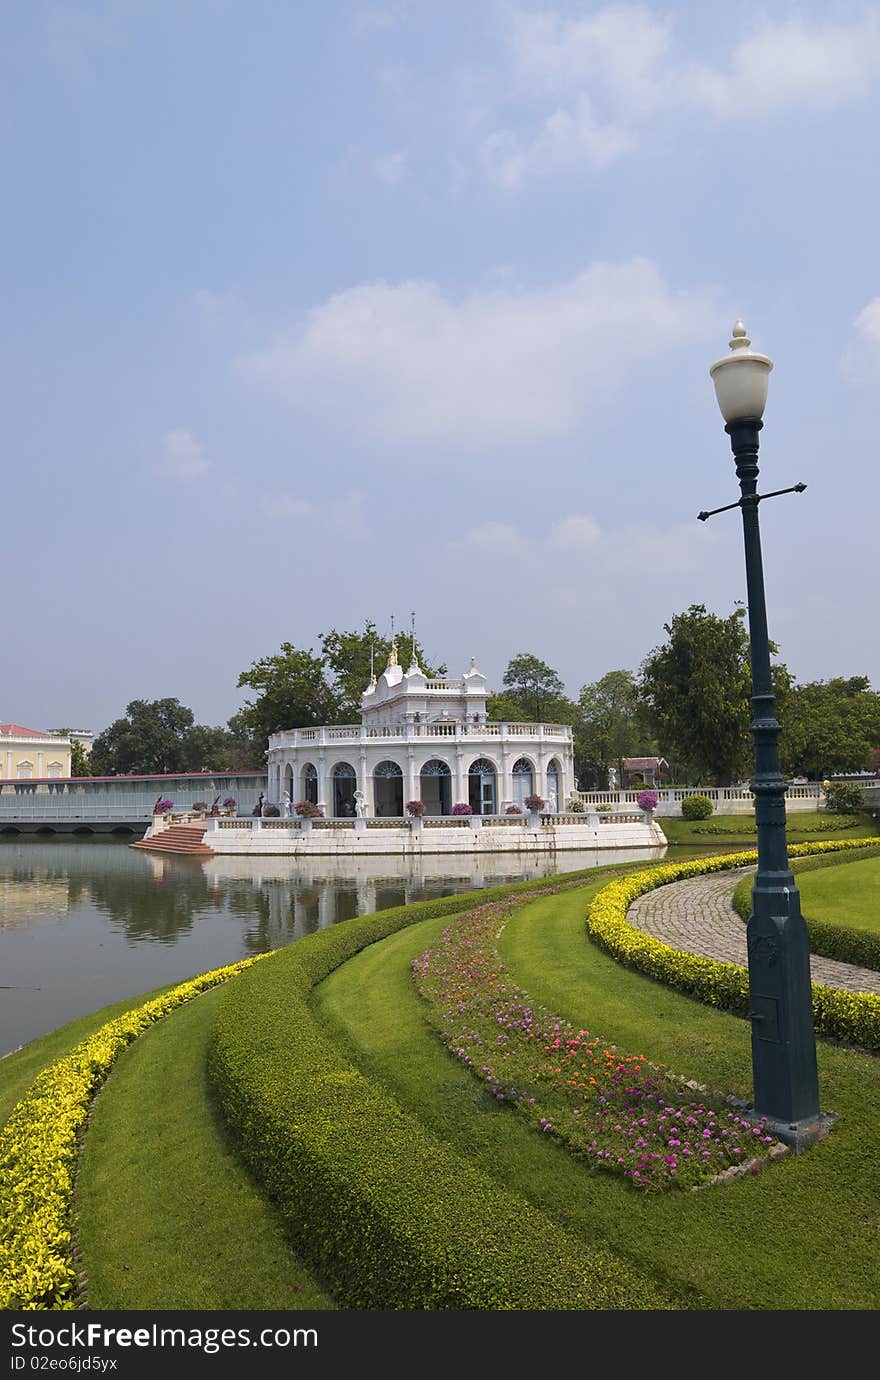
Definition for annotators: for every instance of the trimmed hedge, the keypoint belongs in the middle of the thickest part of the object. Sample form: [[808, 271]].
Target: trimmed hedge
[[389, 1215], [38, 1152], [850, 1016], [846, 943]]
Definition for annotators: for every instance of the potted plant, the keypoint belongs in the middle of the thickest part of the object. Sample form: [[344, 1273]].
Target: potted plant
[[513, 810], [307, 809], [200, 807], [229, 804], [534, 803], [647, 801], [416, 808], [163, 807], [462, 808]]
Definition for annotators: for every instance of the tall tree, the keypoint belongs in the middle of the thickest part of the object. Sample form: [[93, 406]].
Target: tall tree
[[292, 692], [347, 657], [533, 684], [151, 738], [829, 726], [611, 725], [696, 688]]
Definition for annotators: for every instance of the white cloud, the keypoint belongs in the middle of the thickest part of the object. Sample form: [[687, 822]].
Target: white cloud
[[287, 506], [792, 64], [182, 457], [861, 362], [604, 77], [566, 138], [577, 532], [407, 365], [391, 168], [623, 49]]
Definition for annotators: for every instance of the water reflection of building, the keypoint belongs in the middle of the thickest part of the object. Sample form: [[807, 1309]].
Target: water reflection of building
[[422, 739], [23, 901], [305, 895]]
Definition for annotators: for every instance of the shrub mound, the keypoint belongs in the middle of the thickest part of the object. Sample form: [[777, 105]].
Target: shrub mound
[[388, 1214], [38, 1152], [696, 807], [850, 1016]]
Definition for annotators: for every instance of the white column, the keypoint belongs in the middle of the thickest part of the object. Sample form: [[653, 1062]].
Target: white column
[[39, 764], [460, 778], [505, 783], [412, 787], [323, 798], [363, 783]]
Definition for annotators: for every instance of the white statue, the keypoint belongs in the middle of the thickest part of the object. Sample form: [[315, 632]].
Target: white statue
[[285, 805], [612, 779], [360, 804]]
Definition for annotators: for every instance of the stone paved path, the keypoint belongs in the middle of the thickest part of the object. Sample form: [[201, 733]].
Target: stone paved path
[[697, 915]]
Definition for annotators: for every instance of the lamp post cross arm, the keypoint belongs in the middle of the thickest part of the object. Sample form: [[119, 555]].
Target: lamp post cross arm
[[754, 498]]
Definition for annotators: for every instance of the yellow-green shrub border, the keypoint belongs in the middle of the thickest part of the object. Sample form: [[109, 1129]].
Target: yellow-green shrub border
[[39, 1146], [850, 1016]]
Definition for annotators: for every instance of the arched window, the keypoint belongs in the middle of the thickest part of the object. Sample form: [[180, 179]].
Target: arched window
[[388, 789], [435, 781], [523, 781], [344, 783], [54, 769], [481, 787], [310, 783], [25, 771]]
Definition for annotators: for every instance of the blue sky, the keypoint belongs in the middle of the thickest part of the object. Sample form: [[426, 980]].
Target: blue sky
[[316, 313]]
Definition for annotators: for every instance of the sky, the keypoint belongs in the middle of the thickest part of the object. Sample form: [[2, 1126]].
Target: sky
[[324, 312]]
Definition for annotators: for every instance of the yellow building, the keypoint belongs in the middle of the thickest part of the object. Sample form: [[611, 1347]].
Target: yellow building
[[26, 754]]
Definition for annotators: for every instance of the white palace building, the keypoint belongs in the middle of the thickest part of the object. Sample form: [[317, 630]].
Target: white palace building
[[422, 739]]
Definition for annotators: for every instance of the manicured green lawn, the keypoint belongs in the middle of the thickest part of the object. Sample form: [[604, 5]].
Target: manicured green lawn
[[801, 1235], [167, 1217], [807, 827], [848, 894]]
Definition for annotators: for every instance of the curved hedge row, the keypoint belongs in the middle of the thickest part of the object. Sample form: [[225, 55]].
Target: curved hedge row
[[850, 1016], [845, 943], [389, 1215], [38, 1152]]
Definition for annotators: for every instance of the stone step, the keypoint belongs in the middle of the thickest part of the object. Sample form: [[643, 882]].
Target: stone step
[[179, 838]]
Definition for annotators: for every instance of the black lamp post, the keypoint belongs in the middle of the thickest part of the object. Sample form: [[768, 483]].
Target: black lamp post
[[786, 1084]]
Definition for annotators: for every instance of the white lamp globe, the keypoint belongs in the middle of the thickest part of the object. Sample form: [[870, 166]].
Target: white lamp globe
[[741, 379]]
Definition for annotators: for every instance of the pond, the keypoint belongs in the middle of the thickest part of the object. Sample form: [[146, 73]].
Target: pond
[[85, 922]]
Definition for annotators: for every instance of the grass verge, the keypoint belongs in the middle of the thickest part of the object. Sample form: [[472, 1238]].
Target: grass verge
[[713, 1245], [806, 827], [841, 907], [167, 1216]]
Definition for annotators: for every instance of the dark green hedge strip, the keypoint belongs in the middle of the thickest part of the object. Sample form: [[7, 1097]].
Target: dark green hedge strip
[[390, 1216], [845, 943]]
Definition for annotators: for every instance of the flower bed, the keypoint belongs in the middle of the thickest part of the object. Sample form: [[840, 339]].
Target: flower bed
[[38, 1151], [616, 1111]]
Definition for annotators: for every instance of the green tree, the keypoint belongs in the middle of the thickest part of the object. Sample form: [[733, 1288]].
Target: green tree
[[152, 738], [829, 726], [696, 690], [534, 685], [348, 655], [610, 726], [79, 760], [292, 692]]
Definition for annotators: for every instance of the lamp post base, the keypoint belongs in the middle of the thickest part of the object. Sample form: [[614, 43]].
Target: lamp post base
[[798, 1135]]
